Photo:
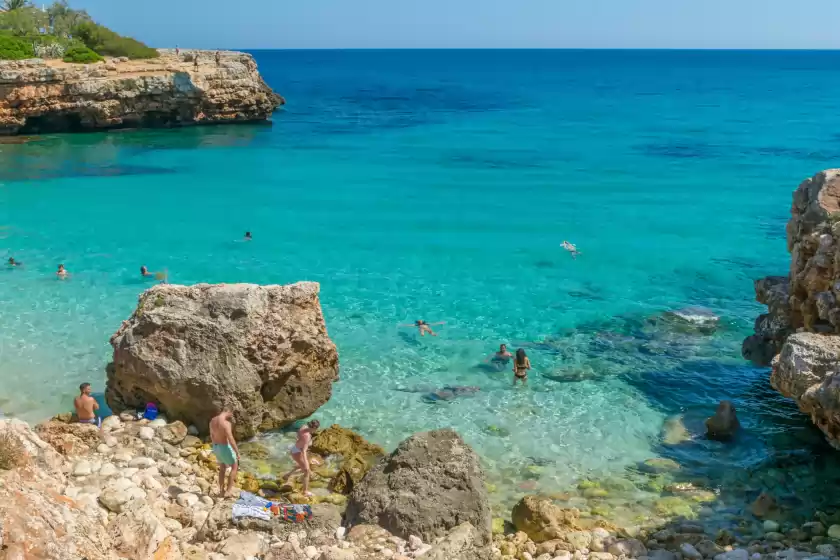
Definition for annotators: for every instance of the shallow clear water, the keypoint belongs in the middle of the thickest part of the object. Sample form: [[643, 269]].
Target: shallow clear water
[[439, 185]]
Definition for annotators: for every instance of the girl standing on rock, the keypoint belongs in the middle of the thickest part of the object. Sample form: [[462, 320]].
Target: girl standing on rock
[[299, 454]]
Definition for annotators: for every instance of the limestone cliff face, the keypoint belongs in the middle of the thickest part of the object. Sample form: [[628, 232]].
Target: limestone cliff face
[[52, 96], [806, 303]]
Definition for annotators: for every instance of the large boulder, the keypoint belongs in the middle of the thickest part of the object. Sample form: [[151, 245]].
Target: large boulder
[[260, 351], [808, 371], [357, 456], [70, 438], [429, 485]]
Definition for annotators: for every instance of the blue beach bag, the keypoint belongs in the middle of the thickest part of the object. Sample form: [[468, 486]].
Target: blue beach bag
[[151, 411]]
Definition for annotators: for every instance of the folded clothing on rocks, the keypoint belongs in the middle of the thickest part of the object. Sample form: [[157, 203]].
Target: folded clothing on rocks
[[251, 505]]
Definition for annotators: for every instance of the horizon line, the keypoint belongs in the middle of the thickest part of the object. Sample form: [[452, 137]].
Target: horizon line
[[671, 49]]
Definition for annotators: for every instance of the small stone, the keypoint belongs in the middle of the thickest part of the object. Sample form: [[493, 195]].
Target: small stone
[[107, 470], [770, 526], [110, 440], [688, 551], [146, 433], [341, 531], [103, 448], [82, 468], [170, 470], [141, 463], [111, 423], [661, 555], [387, 552], [724, 424], [827, 549], [773, 536], [311, 552], [763, 505], [834, 532], [814, 527], [207, 501], [737, 554], [192, 430], [563, 555], [128, 416], [158, 422], [186, 499]]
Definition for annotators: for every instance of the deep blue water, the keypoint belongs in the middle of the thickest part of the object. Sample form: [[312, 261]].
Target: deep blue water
[[440, 185]]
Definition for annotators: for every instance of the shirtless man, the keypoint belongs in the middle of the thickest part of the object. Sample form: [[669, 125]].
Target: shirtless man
[[300, 456], [423, 327], [144, 272], [86, 406], [500, 359], [62, 272], [225, 449], [13, 262]]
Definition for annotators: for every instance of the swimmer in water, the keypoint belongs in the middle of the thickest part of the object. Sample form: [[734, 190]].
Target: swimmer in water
[[570, 248], [248, 236], [502, 356], [521, 365], [62, 272], [144, 272], [13, 262], [423, 327]]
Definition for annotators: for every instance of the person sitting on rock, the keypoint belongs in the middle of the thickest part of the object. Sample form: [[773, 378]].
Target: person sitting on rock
[[299, 453], [86, 406], [423, 327], [225, 449]]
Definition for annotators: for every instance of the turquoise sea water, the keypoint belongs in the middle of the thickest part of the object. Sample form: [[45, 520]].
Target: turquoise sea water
[[439, 185]]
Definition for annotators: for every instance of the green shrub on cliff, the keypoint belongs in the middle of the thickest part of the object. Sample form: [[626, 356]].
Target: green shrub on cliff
[[13, 48], [81, 55], [104, 41]]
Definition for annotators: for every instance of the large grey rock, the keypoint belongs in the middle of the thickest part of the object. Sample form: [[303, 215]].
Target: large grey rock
[[429, 485], [260, 351], [808, 371]]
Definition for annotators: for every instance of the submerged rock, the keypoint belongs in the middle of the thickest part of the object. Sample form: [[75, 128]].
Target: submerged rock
[[700, 319], [260, 351], [542, 521], [724, 424], [674, 431], [429, 485]]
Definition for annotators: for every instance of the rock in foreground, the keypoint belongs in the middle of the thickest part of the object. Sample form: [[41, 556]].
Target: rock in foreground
[[807, 371], [260, 351], [38, 96], [429, 485]]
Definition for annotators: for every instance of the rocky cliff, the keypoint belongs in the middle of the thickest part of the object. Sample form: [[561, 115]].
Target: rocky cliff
[[261, 352], [805, 302], [39, 96]]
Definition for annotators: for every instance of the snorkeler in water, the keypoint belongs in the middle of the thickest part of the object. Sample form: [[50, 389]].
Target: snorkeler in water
[[570, 248], [423, 327]]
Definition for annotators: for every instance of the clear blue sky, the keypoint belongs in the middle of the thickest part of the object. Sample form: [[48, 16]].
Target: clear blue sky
[[474, 23]]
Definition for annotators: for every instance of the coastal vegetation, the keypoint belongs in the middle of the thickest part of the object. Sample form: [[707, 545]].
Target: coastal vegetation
[[12, 452], [54, 32]]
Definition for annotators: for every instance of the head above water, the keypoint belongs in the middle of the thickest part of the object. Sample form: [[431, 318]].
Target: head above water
[[248, 235], [502, 348], [84, 389], [143, 270], [520, 356], [313, 425], [11, 260], [419, 322], [60, 267]]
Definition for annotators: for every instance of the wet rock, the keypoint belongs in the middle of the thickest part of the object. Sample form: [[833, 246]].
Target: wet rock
[[429, 485], [674, 431], [657, 465], [737, 554], [724, 424], [261, 351], [700, 319], [631, 548], [462, 543], [147, 433], [661, 555], [763, 505], [541, 520], [770, 526], [111, 423], [688, 551], [834, 532]]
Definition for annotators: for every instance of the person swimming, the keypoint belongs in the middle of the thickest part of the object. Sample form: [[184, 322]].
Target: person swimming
[[423, 327], [570, 248], [248, 236], [521, 365], [62, 272], [144, 272], [13, 262], [502, 356]]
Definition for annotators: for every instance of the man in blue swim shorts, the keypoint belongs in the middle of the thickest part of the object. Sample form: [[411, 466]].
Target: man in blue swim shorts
[[225, 449]]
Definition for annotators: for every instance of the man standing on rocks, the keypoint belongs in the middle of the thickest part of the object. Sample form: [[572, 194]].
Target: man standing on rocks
[[225, 449], [86, 406]]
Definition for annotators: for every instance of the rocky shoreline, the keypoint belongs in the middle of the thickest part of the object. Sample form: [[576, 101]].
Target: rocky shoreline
[[799, 336], [140, 490], [41, 96]]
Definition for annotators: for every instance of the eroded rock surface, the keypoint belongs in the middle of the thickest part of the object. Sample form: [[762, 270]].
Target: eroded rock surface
[[260, 351], [52, 96]]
